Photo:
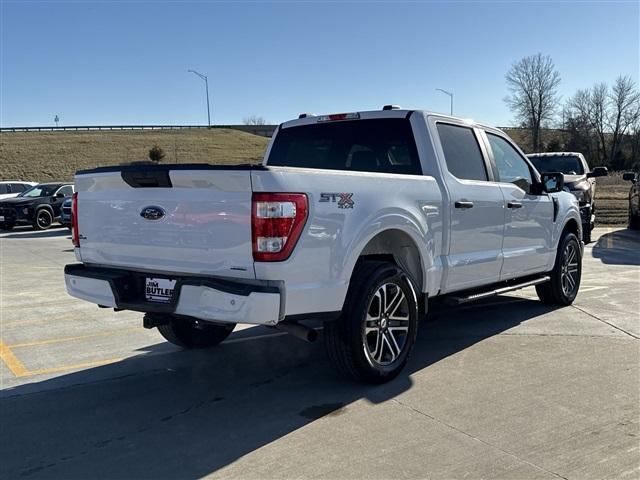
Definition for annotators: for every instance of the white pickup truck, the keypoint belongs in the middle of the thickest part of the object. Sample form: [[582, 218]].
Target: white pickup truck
[[355, 219]]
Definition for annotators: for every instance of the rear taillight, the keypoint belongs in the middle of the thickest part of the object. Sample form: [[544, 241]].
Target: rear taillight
[[75, 234], [277, 220]]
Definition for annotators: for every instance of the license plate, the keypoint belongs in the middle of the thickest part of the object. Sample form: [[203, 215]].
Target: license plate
[[159, 289], [1, 218]]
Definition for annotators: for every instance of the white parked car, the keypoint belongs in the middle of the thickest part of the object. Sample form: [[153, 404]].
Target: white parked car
[[355, 219], [11, 188]]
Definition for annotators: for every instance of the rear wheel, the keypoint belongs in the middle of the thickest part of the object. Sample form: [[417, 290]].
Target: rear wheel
[[188, 332], [375, 334], [563, 287], [634, 221], [43, 219]]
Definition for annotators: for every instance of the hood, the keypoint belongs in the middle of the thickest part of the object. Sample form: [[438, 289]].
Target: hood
[[576, 182], [17, 201]]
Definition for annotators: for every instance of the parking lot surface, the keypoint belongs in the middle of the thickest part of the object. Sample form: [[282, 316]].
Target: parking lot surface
[[507, 388]]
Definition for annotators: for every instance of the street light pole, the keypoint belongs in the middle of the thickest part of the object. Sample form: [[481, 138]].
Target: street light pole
[[206, 86], [450, 98]]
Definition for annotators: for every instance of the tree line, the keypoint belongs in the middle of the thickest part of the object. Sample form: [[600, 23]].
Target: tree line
[[602, 122]]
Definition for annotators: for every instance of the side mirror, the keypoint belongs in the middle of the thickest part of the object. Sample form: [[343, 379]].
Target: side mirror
[[59, 195], [629, 176], [598, 172], [552, 182]]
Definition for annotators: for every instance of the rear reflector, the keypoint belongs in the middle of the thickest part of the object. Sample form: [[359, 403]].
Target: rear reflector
[[277, 220], [339, 116], [75, 234]]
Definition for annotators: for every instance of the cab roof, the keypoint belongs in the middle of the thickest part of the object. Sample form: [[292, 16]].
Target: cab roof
[[309, 119]]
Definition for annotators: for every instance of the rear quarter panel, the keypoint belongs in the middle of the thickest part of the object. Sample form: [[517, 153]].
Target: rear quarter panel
[[317, 274]]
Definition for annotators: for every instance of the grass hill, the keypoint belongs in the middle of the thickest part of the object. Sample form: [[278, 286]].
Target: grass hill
[[47, 156]]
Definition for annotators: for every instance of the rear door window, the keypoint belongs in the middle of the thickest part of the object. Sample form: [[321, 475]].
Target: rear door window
[[380, 145], [18, 187], [462, 153]]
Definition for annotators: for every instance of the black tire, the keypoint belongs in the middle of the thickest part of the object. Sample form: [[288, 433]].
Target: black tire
[[188, 332], [43, 219], [634, 222], [560, 290], [348, 345], [6, 226], [586, 234]]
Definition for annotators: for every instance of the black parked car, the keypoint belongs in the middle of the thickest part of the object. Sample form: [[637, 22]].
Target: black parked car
[[579, 179], [634, 200], [38, 206]]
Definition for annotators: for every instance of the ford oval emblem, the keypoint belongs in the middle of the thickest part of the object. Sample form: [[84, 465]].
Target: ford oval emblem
[[152, 213]]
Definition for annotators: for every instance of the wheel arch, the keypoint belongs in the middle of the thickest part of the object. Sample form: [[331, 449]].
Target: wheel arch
[[43, 206], [571, 225], [395, 245]]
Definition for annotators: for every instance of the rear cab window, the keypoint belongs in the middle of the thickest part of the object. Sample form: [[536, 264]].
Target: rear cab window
[[374, 145]]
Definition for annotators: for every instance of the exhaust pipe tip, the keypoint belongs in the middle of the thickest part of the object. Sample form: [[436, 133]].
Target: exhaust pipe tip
[[302, 332]]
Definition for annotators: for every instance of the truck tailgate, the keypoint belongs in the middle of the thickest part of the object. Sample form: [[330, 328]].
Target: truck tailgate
[[167, 218]]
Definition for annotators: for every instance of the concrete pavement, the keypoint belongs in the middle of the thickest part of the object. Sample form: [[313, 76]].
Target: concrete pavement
[[508, 388]]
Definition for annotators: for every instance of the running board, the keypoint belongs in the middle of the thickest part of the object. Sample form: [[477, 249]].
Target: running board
[[459, 300]]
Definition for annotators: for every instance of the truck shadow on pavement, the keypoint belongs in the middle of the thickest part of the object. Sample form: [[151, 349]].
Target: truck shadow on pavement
[[28, 232], [621, 247], [186, 414]]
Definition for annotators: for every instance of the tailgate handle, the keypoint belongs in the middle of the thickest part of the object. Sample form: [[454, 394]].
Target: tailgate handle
[[148, 179]]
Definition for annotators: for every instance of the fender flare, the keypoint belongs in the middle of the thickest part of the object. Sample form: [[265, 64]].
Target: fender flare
[[401, 223]]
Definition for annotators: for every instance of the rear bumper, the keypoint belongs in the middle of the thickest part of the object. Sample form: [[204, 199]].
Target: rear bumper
[[205, 298]]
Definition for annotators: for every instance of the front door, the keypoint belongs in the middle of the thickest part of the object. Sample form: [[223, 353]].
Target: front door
[[528, 218]]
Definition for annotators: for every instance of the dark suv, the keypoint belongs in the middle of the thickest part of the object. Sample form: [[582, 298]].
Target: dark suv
[[38, 206], [634, 200], [579, 179]]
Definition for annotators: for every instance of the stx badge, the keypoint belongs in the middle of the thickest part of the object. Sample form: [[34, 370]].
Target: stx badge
[[345, 200]]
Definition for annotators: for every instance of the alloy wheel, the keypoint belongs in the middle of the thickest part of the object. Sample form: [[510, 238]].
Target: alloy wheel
[[569, 272], [386, 326]]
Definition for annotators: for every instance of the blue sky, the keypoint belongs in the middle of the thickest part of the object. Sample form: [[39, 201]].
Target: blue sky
[[100, 63]]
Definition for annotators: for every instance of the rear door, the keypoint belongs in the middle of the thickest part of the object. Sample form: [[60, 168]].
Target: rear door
[[171, 219], [476, 208], [529, 218]]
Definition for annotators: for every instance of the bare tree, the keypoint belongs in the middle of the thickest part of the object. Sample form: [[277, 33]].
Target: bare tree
[[624, 110], [254, 120], [533, 83], [589, 110]]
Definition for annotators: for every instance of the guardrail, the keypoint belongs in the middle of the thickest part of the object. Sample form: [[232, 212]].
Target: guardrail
[[263, 130]]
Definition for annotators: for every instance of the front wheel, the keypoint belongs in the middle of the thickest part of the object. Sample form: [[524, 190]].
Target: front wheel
[[6, 226], [188, 332], [43, 219], [372, 339], [563, 287]]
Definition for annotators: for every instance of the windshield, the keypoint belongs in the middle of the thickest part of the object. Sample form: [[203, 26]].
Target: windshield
[[381, 145], [567, 164], [40, 191]]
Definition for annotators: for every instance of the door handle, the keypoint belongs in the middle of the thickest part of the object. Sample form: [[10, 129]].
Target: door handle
[[514, 205], [463, 204]]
